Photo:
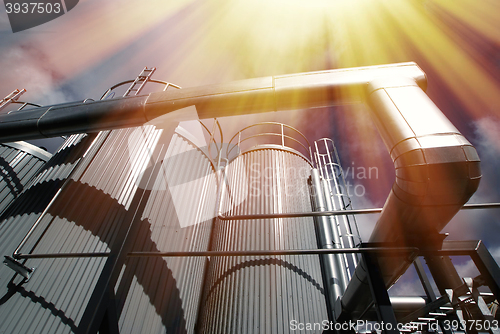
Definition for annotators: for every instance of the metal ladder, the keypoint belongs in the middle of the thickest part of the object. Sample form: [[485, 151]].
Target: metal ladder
[[328, 164], [139, 82], [12, 97]]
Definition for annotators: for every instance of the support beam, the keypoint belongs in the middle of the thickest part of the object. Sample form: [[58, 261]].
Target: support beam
[[488, 268], [426, 284], [379, 293]]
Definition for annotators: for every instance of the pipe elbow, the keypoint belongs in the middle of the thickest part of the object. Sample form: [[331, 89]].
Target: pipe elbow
[[432, 183], [437, 169]]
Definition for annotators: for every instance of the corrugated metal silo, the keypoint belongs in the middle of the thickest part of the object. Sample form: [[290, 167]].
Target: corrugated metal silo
[[19, 163], [268, 294], [21, 307], [125, 180], [161, 295]]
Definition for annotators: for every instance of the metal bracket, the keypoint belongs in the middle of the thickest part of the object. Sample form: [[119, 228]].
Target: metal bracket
[[18, 267]]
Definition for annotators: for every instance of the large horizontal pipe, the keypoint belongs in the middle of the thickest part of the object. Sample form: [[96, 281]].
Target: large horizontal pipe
[[401, 305], [296, 91]]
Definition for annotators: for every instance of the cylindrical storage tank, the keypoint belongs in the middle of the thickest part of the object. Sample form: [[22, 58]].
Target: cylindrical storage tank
[[264, 294], [19, 163], [162, 294], [154, 179]]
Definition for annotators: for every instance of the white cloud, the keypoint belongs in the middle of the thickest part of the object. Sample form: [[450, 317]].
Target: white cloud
[[407, 288], [487, 143], [467, 269], [488, 132], [408, 284], [30, 68], [482, 223]]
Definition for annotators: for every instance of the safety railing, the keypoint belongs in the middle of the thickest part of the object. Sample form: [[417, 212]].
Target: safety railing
[[270, 135]]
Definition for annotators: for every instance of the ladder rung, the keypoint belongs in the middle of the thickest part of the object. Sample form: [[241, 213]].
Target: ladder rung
[[14, 96], [437, 314], [140, 81]]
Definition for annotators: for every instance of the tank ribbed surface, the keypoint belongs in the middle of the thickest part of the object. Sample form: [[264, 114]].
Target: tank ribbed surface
[[19, 163], [104, 186], [264, 294], [33, 307], [162, 295]]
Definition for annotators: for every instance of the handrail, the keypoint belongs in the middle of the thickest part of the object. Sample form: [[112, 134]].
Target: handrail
[[212, 139], [17, 255], [337, 212], [412, 251], [24, 104], [167, 84], [281, 134]]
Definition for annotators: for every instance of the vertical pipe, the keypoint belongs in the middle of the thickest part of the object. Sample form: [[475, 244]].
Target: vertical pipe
[[328, 238], [337, 197], [337, 236]]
